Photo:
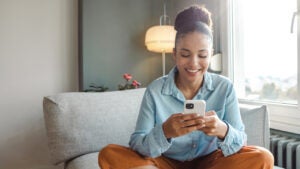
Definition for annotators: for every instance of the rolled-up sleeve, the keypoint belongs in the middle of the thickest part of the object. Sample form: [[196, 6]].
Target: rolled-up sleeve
[[236, 136], [148, 138]]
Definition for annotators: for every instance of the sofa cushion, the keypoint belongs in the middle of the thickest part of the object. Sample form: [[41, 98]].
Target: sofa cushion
[[88, 161], [256, 123], [80, 123]]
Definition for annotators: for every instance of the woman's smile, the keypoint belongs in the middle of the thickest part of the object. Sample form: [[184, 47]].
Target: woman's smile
[[192, 71]]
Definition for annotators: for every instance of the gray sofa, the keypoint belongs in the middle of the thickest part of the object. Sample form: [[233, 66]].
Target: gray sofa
[[80, 124]]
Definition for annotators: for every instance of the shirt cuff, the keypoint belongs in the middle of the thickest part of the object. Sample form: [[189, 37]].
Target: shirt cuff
[[230, 144], [161, 139]]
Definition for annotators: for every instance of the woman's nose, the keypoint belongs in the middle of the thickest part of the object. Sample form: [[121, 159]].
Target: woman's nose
[[194, 60]]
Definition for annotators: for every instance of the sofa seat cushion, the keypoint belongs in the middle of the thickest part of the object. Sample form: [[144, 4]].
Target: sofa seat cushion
[[87, 161]]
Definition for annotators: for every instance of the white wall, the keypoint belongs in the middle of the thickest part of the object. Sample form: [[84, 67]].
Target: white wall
[[38, 57]]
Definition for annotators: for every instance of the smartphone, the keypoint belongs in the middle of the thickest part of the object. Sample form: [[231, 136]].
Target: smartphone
[[195, 106]]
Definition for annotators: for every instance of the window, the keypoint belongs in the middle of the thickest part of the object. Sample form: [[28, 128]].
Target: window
[[262, 56]]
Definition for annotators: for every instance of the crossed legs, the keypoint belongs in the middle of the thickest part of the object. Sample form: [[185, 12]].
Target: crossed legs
[[120, 157]]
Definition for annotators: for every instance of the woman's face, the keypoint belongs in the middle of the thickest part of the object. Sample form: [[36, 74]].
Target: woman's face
[[192, 56]]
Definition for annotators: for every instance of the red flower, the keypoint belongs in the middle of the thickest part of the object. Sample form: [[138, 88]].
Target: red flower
[[136, 84], [127, 76], [133, 85]]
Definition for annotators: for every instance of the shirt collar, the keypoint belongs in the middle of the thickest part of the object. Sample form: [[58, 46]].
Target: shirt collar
[[170, 88]]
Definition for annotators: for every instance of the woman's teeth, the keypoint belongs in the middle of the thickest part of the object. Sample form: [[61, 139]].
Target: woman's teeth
[[193, 70]]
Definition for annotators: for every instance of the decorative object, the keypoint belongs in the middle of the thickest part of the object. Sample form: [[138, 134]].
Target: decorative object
[[133, 85], [161, 38], [95, 88]]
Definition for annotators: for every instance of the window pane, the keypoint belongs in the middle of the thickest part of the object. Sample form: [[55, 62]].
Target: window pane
[[269, 50]]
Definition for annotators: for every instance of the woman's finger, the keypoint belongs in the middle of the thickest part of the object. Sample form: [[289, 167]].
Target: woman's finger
[[193, 122], [210, 113]]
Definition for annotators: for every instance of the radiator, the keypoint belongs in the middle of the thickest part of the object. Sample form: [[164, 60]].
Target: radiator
[[286, 151]]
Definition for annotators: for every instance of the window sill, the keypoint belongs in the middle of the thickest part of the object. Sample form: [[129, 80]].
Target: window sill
[[282, 116]]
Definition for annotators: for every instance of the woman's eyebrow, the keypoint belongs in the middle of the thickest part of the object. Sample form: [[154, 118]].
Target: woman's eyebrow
[[184, 49], [201, 50]]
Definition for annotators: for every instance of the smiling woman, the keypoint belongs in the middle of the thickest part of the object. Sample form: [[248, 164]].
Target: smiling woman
[[171, 139]]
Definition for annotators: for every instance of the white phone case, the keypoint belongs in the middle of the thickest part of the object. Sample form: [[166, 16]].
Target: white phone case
[[195, 106]]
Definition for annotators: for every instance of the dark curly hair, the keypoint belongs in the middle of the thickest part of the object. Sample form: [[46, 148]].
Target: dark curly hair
[[195, 18]]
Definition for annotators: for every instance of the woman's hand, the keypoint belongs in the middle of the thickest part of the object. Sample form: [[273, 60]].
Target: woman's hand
[[180, 124], [214, 126]]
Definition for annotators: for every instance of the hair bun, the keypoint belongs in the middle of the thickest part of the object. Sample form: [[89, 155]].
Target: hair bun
[[191, 16]]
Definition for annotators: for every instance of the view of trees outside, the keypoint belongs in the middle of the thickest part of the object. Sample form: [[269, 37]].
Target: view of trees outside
[[270, 50], [272, 89]]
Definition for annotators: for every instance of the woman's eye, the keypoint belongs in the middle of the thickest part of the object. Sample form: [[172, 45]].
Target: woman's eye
[[184, 55], [202, 56]]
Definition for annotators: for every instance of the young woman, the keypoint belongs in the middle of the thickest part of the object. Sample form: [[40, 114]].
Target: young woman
[[165, 137]]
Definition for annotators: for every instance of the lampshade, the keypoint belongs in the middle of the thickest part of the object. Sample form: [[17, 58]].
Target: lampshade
[[160, 38]]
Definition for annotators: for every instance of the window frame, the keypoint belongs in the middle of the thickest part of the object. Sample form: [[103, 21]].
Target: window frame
[[283, 117]]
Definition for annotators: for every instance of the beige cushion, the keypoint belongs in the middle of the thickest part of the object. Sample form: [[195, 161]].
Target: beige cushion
[[256, 123]]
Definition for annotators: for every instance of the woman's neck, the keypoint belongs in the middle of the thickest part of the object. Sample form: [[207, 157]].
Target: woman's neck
[[189, 90]]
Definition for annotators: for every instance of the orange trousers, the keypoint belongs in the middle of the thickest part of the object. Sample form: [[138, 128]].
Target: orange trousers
[[249, 157]]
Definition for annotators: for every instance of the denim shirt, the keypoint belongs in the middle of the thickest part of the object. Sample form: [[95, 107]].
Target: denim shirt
[[162, 99]]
